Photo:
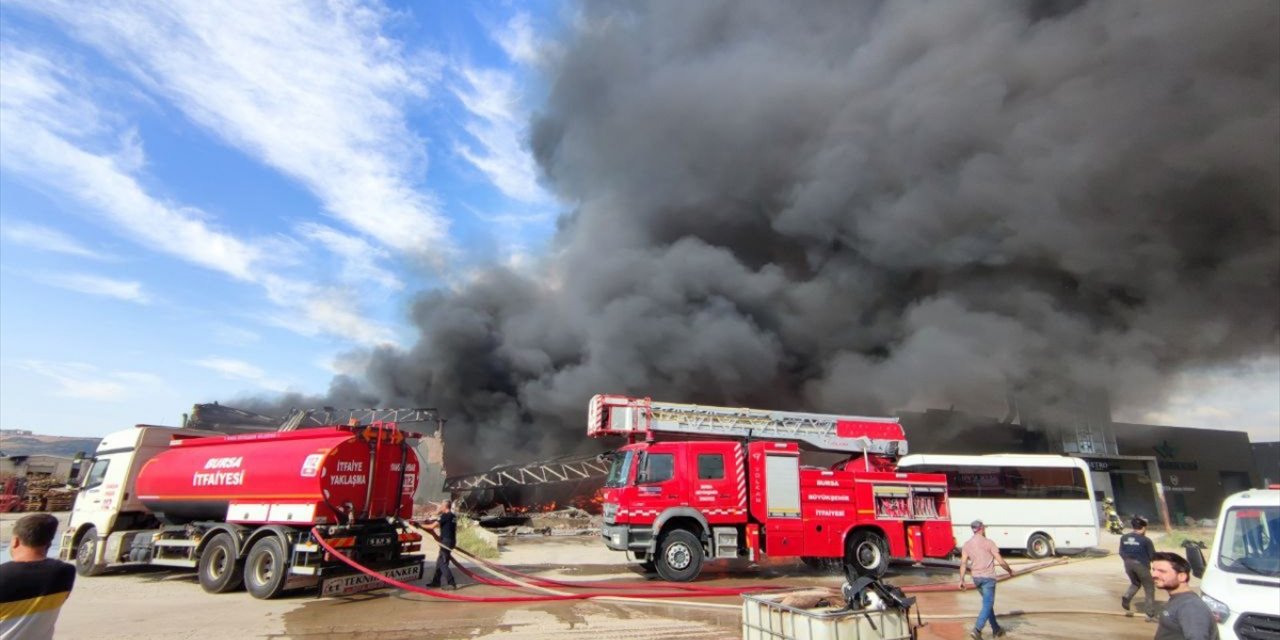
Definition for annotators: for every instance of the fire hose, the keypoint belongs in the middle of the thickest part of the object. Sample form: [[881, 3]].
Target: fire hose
[[549, 594], [641, 594]]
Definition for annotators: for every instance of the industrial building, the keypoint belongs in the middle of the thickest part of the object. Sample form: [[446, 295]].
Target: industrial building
[[1164, 473]]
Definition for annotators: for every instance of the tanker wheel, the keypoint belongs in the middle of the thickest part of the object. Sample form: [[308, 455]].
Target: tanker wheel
[[679, 556], [220, 571], [265, 569], [87, 554], [867, 554]]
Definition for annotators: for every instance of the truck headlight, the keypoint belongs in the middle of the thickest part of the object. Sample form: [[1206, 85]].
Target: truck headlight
[[1218, 608]]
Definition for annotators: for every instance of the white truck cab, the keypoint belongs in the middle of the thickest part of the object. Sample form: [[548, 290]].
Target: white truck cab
[[106, 502], [1241, 582]]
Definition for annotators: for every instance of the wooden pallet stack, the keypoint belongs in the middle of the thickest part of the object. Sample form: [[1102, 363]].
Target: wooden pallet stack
[[46, 493]]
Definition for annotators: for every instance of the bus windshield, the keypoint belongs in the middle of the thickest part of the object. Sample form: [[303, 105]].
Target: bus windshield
[[1251, 541], [619, 469]]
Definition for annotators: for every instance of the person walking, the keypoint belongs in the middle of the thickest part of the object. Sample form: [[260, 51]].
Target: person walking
[[447, 524], [1136, 550], [33, 586], [980, 556], [1186, 616]]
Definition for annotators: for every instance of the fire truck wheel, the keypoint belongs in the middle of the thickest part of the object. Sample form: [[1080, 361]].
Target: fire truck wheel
[[220, 571], [86, 553], [1039, 546], [866, 555], [264, 569], [679, 556]]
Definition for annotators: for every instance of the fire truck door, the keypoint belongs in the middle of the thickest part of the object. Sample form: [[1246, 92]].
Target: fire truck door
[[719, 482], [657, 486]]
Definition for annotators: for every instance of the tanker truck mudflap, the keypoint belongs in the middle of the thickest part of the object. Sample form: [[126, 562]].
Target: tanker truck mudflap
[[355, 583]]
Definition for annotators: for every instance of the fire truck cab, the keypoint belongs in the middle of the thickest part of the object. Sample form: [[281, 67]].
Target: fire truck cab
[[696, 495]]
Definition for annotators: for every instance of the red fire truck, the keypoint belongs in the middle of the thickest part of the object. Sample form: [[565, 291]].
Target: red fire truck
[[697, 482]]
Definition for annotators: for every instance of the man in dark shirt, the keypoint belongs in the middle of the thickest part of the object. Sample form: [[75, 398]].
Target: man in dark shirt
[[33, 586], [447, 524], [1186, 616], [1136, 551]]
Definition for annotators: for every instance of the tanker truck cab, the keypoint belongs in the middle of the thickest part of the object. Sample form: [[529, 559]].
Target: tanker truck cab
[[107, 504], [1241, 582]]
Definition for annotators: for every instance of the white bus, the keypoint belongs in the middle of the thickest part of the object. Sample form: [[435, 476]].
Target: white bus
[[1039, 504]]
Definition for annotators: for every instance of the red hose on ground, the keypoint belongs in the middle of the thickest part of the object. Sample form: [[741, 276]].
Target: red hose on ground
[[315, 533], [929, 587], [548, 582], [698, 592]]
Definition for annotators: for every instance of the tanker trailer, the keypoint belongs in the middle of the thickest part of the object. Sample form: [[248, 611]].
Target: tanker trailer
[[240, 509]]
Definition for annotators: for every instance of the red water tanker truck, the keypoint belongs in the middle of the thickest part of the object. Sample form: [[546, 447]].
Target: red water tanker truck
[[241, 509]]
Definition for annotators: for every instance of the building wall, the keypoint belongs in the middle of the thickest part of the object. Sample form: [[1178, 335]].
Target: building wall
[[1198, 467], [1266, 463], [57, 466]]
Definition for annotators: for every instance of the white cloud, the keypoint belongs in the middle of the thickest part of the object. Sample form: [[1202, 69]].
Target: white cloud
[[241, 370], [47, 239], [314, 90], [33, 144], [359, 258], [1245, 397], [518, 41], [496, 127], [127, 290], [331, 311], [87, 382]]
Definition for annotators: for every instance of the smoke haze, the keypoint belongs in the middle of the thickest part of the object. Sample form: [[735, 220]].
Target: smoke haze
[[859, 207]]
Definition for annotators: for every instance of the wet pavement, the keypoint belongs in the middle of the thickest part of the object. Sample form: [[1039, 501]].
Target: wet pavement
[[169, 604], [1079, 585]]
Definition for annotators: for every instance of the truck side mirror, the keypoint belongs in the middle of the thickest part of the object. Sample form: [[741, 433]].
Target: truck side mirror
[[1195, 556]]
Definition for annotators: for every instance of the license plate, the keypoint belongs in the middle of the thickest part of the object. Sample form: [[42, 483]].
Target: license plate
[[344, 585], [381, 541]]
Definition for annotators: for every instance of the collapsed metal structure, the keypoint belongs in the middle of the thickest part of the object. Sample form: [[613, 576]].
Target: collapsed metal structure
[[545, 472]]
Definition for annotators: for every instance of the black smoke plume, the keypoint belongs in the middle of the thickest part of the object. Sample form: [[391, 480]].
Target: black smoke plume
[[859, 207]]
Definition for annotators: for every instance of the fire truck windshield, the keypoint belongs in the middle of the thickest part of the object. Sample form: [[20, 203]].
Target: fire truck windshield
[[620, 469]]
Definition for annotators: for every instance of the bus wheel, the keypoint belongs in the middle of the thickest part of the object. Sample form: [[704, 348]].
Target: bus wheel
[[679, 556], [1039, 546], [866, 555]]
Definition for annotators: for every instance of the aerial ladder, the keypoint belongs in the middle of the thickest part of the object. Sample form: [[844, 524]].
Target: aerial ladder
[[642, 419]]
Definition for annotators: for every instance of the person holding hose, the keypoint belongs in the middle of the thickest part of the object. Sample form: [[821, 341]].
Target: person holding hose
[[1136, 550], [447, 524], [979, 556]]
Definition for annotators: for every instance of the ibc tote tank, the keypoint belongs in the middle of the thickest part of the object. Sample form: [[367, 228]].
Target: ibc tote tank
[[309, 476]]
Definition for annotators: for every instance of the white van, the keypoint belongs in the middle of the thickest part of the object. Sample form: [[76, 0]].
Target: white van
[[1241, 582]]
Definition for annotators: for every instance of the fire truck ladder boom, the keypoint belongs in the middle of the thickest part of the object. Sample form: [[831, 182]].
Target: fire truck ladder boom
[[640, 417]]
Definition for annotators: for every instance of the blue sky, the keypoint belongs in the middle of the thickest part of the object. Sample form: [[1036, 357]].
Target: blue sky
[[205, 200], [198, 203]]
